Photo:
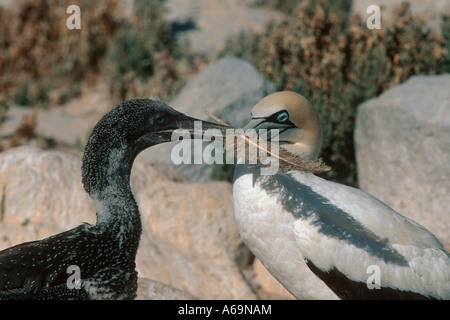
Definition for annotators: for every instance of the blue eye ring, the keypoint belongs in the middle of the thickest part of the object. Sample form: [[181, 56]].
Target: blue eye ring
[[283, 117]]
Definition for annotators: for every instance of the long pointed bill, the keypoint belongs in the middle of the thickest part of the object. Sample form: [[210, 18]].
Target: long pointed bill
[[275, 129], [195, 152], [194, 125], [262, 123], [253, 124]]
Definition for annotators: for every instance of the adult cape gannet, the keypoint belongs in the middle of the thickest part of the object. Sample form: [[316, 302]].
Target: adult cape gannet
[[314, 235]]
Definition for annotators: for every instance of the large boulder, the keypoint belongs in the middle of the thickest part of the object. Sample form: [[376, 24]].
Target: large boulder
[[68, 125], [403, 150], [206, 24], [154, 290], [228, 89]]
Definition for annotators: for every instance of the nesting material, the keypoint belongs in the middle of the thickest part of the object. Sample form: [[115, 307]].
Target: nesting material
[[255, 150]]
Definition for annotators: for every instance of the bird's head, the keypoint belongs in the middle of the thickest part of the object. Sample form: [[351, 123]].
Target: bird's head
[[124, 132], [142, 123], [300, 130]]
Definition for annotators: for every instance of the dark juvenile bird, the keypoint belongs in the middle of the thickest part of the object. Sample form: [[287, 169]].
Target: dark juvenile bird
[[105, 252]]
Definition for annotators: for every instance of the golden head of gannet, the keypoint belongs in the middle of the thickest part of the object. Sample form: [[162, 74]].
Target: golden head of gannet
[[300, 130]]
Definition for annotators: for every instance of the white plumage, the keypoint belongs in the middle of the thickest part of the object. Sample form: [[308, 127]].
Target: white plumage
[[320, 238]]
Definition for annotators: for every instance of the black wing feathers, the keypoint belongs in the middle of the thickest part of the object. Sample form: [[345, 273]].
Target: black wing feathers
[[34, 265]]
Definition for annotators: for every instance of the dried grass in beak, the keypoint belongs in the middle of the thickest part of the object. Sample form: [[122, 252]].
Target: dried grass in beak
[[287, 160]]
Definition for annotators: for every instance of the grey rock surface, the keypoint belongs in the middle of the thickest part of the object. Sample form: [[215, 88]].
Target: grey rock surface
[[206, 24], [402, 142], [228, 89], [154, 290]]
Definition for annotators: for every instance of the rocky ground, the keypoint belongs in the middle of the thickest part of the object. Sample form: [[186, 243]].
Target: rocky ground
[[190, 247]]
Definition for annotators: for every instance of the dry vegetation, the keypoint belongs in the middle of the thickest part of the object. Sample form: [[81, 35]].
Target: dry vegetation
[[337, 62], [41, 55], [318, 51], [44, 63], [141, 60]]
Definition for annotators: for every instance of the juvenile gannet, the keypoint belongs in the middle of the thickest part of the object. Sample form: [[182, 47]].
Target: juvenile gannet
[[321, 239], [104, 253]]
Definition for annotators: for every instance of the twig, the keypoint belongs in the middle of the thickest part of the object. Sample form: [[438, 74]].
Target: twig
[[209, 114]]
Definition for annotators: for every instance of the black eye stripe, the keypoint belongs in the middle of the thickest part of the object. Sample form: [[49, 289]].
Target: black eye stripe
[[274, 118]]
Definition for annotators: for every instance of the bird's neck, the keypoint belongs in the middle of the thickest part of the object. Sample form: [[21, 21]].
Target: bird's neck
[[106, 174]]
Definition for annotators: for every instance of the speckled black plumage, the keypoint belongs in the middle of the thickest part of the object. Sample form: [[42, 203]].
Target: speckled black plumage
[[105, 252]]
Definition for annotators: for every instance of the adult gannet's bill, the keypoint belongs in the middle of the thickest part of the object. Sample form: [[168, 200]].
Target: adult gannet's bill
[[324, 240]]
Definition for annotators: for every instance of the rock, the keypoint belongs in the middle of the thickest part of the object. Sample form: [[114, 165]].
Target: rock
[[228, 89], [205, 24], [68, 125], [41, 194], [403, 151], [154, 290], [189, 239]]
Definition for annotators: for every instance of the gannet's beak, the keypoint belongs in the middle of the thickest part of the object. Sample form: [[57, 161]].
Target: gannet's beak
[[178, 121], [254, 124], [263, 123], [191, 124]]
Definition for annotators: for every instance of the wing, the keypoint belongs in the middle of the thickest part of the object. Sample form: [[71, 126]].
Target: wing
[[35, 265], [349, 239], [57, 292], [353, 268]]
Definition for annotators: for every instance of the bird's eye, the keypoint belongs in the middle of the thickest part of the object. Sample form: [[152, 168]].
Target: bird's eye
[[283, 117], [161, 119]]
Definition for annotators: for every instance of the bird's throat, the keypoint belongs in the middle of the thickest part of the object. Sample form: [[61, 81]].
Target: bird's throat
[[106, 177]]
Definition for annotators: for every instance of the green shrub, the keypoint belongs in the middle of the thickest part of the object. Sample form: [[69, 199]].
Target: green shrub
[[283, 5], [21, 96], [141, 58], [446, 36]]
